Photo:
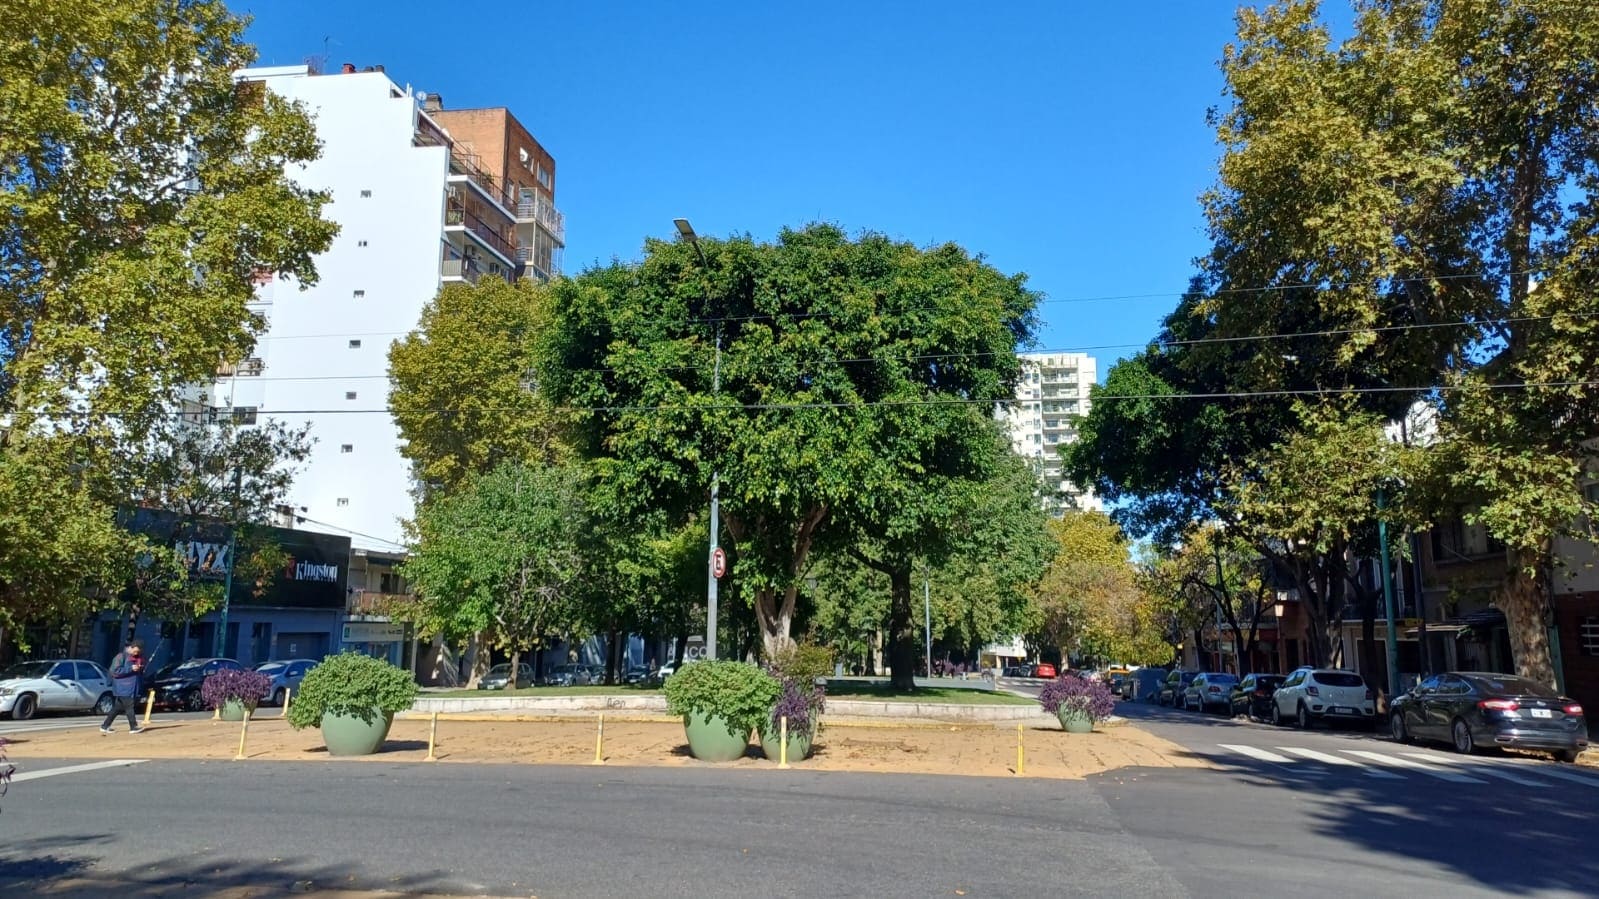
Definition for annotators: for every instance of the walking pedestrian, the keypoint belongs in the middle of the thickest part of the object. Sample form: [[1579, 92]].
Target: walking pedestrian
[[127, 674]]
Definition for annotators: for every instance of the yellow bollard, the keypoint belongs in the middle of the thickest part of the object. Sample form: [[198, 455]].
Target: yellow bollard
[[599, 743], [782, 752], [216, 714], [149, 704], [244, 732], [433, 737], [1018, 750], [288, 695]]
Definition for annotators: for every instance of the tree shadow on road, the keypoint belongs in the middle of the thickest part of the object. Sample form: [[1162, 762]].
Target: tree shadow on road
[[58, 867], [1507, 836]]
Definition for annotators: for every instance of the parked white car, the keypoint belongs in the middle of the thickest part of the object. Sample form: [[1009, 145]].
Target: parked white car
[[62, 685], [1323, 694]]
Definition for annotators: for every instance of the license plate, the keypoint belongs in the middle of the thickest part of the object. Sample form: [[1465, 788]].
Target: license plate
[[1542, 713], [1343, 710]]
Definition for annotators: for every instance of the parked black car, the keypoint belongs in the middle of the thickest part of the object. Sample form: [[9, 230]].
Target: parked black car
[[178, 686], [1252, 695], [1474, 709], [1171, 692]]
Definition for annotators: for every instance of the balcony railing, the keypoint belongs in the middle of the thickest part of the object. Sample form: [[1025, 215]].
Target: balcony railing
[[461, 165], [537, 209], [456, 215]]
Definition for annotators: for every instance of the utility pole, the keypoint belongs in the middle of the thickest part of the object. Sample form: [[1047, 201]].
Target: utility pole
[[687, 232], [927, 616], [1388, 593]]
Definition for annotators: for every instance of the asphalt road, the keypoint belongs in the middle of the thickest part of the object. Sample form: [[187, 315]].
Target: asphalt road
[[15, 729], [1303, 826]]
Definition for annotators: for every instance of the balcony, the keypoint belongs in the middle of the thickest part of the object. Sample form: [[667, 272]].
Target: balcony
[[454, 266], [534, 208], [456, 216], [380, 604], [464, 170], [249, 368]]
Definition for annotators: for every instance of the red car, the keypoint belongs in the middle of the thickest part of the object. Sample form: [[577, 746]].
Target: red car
[[1044, 669]]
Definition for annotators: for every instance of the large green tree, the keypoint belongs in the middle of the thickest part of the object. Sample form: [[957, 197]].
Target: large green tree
[[503, 555], [1409, 187], [142, 193], [849, 372], [465, 393]]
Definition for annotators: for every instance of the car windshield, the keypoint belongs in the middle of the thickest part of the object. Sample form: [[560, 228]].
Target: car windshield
[[500, 670], [1339, 679], [1220, 679], [1510, 685], [27, 670], [1273, 681]]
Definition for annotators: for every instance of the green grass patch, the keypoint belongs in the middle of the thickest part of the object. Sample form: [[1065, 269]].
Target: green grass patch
[[951, 695], [583, 690]]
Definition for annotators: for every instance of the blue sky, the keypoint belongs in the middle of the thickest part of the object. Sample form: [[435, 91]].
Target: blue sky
[[1066, 140]]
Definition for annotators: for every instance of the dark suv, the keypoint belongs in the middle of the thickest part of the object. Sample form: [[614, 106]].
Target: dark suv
[[1171, 692], [1252, 696]]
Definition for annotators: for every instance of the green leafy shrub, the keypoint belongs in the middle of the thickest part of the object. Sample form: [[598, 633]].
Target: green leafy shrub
[[351, 684], [740, 694], [804, 662]]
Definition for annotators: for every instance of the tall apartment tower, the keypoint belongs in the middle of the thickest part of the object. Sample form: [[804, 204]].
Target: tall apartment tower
[[417, 207], [1052, 393]]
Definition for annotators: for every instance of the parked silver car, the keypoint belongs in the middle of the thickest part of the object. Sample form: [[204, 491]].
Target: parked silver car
[[569, 676], [64, 685], [286, 675]]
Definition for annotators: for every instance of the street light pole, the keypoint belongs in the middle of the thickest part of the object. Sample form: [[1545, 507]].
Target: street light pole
[[927, 616], [687, 232], [1388, 593]]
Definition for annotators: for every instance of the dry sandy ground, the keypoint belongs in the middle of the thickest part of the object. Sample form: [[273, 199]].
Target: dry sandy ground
[[982, 750]]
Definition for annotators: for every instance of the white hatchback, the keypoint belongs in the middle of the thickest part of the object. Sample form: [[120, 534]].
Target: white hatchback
[[63, 685], [1323, 694]]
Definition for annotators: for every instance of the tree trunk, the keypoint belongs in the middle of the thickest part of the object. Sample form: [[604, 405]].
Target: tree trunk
[[479, 657], [1526, 606], [774, 612], [682, 649], [1368, 640], [516, 666], [901, 632]]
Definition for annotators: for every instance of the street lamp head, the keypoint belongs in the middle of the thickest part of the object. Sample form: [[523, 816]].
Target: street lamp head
[[685, 229]]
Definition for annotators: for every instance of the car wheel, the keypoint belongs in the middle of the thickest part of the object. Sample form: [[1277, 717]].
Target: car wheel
[[1397, 728], [1303, 719], [1276, 715], [1569, 756], [194, 702], [104, 705], [24, 708], [277, 697], [1464, 744]]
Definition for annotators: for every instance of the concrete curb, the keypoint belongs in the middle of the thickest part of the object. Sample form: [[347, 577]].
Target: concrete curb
[[836, 708]]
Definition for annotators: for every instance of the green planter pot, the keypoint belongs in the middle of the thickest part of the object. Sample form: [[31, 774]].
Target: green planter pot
[[349, 735], [1075, 722], [712, 739], [799, 745], [235, 710]]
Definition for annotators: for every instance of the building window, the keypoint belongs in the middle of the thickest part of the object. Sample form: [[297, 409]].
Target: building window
[[359, 294], [366, 194], [342, 501], [349, 394], [347, 448], [1588, 637], [355, 344], [244, 415], [360, 243], [544, 176]]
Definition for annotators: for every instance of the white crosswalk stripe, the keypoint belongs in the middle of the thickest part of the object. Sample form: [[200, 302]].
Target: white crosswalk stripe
[[1256, 752], [1551, 771], [1328, 758], [1395, 761], [1488, 770]]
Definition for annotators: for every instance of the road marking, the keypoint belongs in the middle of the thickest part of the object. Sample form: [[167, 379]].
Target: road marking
[[1489, 770], [73, 769], [1256, 753], [1553, 772], [1330, 759], [1397, 762]]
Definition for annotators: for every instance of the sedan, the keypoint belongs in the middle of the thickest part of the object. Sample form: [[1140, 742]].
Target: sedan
[[64, 685], [1044, 670], [568, 676], [1252, 696], [1476, 709], [499, 677], [1211, 690], [178, 686], [286, 676]]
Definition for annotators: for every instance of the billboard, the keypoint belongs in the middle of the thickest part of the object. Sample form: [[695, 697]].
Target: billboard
[[315, 575]]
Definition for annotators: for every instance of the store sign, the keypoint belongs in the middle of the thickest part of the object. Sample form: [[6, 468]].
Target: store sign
[[314, 575], [373, 632]]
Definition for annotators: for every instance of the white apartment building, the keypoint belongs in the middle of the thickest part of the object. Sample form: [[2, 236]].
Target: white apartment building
[[414, 212], [1052, 393]]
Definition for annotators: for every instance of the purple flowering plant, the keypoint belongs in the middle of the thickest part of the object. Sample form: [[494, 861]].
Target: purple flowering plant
[[1073, 693], [248, 687], [801, 703]]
